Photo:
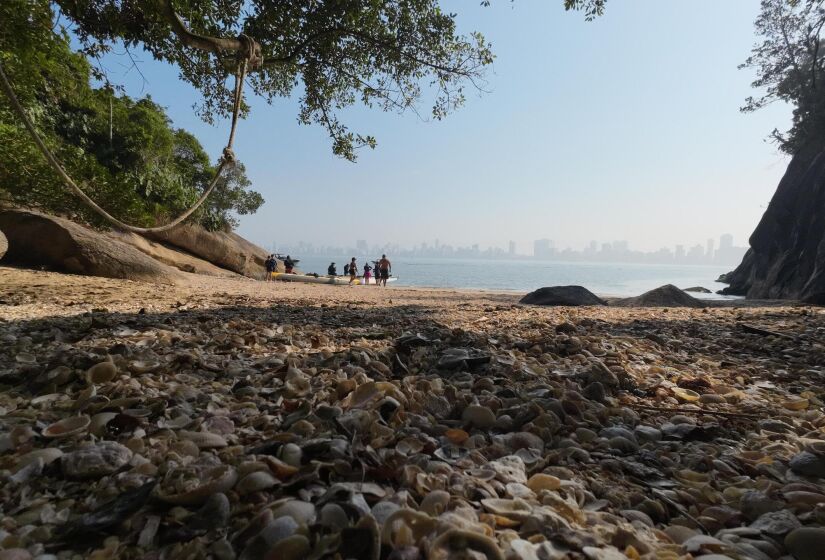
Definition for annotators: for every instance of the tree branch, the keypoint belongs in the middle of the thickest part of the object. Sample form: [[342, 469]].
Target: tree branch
[[216, 45]]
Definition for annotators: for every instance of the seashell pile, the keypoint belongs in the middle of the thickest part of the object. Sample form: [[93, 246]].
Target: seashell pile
[[440, 426]]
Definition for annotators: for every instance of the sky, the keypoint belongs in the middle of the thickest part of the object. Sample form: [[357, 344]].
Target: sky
[[624, 128]]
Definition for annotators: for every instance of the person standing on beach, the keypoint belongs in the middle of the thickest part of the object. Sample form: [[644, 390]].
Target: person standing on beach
[[269, 264], [331, 271], [289, 264], [367, 269], [353, 271], [384, 269]]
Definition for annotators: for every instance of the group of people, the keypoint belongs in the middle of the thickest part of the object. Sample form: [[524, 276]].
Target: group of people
[[271, 265], [383, 268]]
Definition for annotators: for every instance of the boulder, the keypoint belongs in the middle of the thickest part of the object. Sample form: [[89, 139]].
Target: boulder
[[563, 296], [4, 244], [172, 256], [786, 259], [664, 296], [698, 290], [224, 249], [37, 240]]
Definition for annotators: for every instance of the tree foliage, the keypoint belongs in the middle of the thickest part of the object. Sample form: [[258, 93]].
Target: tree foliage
[[789, 67], [388, 53], [124, 151]]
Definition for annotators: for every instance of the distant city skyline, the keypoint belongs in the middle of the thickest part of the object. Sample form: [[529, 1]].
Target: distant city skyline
[[543, 249]]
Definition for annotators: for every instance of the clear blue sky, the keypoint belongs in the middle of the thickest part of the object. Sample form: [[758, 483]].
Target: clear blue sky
[[623, 128]]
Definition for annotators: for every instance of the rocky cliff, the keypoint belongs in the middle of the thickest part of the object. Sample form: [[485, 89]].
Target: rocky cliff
[[786, 259]]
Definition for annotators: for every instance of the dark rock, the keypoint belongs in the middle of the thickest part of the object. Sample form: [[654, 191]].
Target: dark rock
[[107, 516], [595, 392], [808, 464], [454, 358], [776, 523], [664, 296], [786, 259], [38, 240], [698, 289], [563, 296], [755, 503], [806, 543]]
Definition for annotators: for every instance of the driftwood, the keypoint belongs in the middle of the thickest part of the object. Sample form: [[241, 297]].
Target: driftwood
[[751, 329]]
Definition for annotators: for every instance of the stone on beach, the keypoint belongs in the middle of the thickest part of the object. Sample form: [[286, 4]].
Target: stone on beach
[[562, 296], [663, 296]]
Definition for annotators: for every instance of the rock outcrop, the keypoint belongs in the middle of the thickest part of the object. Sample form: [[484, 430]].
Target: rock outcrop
[[786, 259], [563, 296], [663, 296], [226, 250], [698, 290], [37, 240], [172, 257]]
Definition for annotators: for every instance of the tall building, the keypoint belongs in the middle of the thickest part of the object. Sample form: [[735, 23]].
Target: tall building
[[543, 248], [512, 248], [680, 253], [726, 241], [709, 250]]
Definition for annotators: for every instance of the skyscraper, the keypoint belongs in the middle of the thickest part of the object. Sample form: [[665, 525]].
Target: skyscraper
[[709, 251], [726, 241], [512, 248]]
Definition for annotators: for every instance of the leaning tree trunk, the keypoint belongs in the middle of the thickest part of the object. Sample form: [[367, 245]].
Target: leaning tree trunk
[[786, 259]]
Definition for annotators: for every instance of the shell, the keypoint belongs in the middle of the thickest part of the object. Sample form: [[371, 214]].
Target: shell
[[514, 509], [95, 461], [255, 482], [209, 481], [48, 455], [204, 440], [101, 373], [71, 426], [686, 394], [295, 547], [541, 481], [795, 404], [97, 425]]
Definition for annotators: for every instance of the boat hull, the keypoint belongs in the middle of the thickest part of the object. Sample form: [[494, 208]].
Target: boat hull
[[332, 280]]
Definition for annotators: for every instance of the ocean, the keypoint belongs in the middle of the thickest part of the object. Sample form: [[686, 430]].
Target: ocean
[[606, 279]]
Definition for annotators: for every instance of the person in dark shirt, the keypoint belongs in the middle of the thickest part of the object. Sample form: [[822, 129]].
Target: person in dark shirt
[[289, 264], [332, 270]]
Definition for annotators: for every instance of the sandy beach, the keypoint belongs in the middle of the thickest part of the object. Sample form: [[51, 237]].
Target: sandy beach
[[506, 430]]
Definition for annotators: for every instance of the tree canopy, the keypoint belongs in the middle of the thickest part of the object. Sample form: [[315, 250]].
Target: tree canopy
[[789, 67]]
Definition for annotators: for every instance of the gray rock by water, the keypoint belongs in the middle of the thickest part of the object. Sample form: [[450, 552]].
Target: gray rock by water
[[664, 296], [563, 296]]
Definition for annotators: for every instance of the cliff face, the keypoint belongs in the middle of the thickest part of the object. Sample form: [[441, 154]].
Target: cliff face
[[786, 259]]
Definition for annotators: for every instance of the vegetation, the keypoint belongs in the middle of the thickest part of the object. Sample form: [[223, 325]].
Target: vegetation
[[789, 66], [124, 151]]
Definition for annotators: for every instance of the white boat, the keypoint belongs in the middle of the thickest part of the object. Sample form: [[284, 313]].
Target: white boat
[[334, 280]]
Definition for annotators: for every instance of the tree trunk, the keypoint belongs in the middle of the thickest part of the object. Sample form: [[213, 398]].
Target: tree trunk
[[786, 259]]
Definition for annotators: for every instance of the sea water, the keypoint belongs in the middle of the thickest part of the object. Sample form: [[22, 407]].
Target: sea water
[[606, 279]]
